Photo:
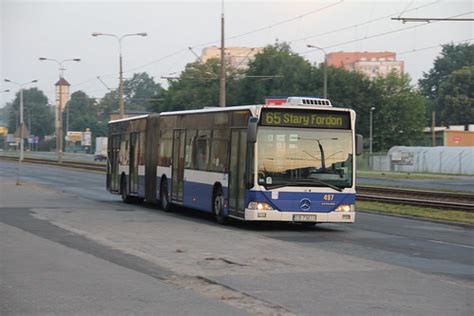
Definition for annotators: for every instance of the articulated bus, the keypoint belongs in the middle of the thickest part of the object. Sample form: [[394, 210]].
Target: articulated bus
[[292, 162]]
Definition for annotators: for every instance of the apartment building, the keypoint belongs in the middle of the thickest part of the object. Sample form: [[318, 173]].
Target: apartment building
[[372, 64], [236, 57]]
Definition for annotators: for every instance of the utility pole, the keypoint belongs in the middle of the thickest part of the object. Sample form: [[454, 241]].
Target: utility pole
[[119, 39], [433, 125], [222, 77], [22, 126], [325, 84], [370, 136]]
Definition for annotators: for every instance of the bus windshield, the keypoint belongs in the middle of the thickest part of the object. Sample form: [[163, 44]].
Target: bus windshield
[[304, 157]]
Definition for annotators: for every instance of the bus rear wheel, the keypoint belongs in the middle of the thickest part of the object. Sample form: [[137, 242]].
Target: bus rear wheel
[[124, 191], [218, 206], [164, 196]]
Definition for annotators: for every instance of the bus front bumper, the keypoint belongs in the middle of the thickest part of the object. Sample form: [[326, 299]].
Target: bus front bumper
[[332, 217]]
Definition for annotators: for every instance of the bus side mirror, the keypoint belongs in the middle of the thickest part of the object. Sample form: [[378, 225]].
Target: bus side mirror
[[359, 144], [252, 130]]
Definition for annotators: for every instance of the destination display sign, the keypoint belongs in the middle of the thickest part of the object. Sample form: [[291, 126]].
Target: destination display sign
[[305, 118]]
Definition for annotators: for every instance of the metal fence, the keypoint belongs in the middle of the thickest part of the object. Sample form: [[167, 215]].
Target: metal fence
[[447, 160]]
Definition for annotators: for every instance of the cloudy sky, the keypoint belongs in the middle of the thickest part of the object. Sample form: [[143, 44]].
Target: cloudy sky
[[62, 30]]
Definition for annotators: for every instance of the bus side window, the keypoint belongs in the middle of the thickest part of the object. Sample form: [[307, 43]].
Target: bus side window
[[123, 154], [219, 152], [202, 153], [190, 151], [202, 149], [165, 152]]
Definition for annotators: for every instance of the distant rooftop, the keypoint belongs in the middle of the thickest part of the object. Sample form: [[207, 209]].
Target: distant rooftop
[[62, 82]]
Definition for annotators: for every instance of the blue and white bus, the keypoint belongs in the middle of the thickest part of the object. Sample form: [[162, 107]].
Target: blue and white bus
[[292, 162]]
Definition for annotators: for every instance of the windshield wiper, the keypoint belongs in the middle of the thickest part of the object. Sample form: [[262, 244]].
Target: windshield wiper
[[292, 184]]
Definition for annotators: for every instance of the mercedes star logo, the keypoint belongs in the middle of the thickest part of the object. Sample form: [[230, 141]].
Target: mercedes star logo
[[305, 204]]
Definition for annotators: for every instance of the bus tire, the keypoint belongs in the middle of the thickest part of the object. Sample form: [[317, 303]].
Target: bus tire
[[164, 196], [124, 191], [218, 206]]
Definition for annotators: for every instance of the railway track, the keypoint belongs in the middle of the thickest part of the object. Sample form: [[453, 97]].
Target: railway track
[[66, 163], [435, 199]]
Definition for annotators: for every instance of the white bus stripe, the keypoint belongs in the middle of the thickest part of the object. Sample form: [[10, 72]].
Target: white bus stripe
[[206, 177]]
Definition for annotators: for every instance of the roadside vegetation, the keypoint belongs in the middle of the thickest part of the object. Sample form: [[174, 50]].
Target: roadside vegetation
[[277, 71]]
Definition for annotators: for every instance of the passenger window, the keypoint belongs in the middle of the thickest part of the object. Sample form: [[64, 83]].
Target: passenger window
[[190, 149], [219, 152]]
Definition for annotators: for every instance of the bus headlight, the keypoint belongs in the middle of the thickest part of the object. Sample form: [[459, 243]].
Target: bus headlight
[[260, 206], [345, 208]]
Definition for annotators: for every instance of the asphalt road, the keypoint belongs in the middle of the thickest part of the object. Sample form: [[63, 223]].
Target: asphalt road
[[69, 247]]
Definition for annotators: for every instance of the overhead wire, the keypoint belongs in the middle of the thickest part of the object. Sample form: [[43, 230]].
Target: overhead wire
[[273, 25], [388, 32], [405, 10], [431, 47], [238, 35], [204, 44], [356, 25], [307, 37]]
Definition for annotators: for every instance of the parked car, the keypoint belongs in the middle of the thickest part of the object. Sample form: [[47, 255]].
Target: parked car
[[100, 158]]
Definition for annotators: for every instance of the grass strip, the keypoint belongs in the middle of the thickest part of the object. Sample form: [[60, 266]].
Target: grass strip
[[416, 211]]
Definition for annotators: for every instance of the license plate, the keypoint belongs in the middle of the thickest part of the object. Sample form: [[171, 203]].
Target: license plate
[[304, 218]]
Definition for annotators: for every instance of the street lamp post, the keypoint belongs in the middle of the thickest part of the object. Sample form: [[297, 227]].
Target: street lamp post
[[325, 69], [20, 159], [120, 38], [59, 118], [370, 136]]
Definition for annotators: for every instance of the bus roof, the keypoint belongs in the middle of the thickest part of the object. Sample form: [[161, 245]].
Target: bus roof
[[130, 118], [309, 103], [211, 109]]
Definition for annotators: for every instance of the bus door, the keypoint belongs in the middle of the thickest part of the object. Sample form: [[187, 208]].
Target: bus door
[[238, 167], [177, 186], [114, 163], [134, 144]]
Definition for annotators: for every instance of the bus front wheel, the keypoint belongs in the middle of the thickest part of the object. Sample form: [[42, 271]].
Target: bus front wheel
[[218, 206], [164, 196]]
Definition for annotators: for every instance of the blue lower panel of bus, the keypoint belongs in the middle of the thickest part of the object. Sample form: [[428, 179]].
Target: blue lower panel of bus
[[301, 201], [199, 195]]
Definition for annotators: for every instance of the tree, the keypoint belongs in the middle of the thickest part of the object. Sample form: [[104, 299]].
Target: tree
[[5, 113], [287, 72], [456, 97], [348, 89], [37, 115], [196, 87], [141, 91], [83, 114], [399, 117], [453, 57], [108, 104]]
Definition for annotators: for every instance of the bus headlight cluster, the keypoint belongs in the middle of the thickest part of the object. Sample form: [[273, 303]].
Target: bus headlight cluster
[[345, 208], [260, 206]]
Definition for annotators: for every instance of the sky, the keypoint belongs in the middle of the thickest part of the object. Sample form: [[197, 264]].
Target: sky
[[62, 30]]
